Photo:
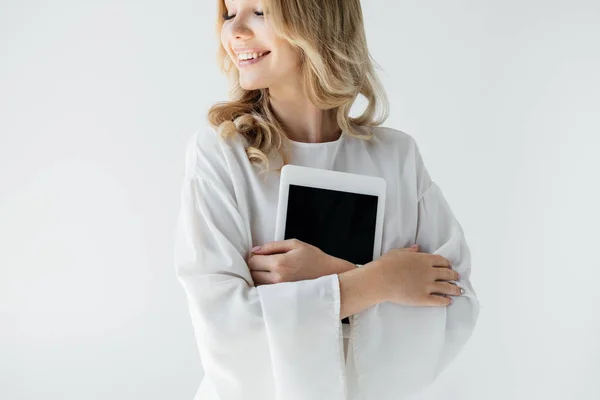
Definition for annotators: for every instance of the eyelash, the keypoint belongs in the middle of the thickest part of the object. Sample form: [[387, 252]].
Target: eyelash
[[228, 17]]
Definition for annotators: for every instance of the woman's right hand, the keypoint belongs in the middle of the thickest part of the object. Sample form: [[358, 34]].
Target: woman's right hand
[[412, 278]]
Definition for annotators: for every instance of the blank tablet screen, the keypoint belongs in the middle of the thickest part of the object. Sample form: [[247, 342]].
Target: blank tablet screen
[[341, 224]]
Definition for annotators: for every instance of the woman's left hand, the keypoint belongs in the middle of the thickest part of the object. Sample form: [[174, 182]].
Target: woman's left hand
[[288, 260]]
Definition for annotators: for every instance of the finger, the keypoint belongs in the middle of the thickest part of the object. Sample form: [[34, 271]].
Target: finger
[[446, 288], [259, 263], [257, 267], [439, 300], [268, 262], [446, 274], [439, 261], [282, 246], [261, 277], [409, 249]]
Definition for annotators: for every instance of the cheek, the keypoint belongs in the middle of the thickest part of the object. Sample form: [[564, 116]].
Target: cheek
[[286, 53], [288, 60]]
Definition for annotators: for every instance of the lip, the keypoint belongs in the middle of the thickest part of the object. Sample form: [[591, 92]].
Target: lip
[[245, 63], [247, 50]]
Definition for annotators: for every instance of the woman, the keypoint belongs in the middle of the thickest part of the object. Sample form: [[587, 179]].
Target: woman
[[268, 320]]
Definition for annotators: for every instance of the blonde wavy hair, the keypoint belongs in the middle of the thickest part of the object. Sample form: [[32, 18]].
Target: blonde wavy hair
[[334, 71]]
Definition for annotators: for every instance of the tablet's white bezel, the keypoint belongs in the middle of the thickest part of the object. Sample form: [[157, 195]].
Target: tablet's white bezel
[[334, 180]]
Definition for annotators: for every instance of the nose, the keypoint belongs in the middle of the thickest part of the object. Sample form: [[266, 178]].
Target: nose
[[240, 29]]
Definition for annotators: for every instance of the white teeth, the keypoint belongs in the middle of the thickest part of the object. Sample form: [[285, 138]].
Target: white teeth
[[249, 56]]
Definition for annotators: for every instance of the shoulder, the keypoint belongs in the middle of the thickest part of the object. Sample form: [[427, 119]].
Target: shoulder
[[393, 136], [396, 140], [205, 155], [406, 149]]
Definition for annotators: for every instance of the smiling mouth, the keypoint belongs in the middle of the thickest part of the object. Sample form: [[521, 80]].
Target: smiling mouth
[[253, 56], [253, 60]]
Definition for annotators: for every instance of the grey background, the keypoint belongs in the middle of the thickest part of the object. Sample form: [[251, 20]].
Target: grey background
[[97, 101]]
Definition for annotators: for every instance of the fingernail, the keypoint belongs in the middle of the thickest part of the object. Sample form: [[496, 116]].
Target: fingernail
[[255, 248], [462, 291], [415, 245]]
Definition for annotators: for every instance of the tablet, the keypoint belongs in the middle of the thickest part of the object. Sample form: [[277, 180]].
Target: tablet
[[341, 213]]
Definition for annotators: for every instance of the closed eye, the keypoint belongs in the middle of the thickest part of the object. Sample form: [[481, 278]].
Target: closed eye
[[227, 17]]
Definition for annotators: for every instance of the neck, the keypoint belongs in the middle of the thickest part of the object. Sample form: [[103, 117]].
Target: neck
[[301, 119]]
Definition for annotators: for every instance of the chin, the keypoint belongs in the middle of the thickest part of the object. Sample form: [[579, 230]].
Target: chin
[[251, 86]]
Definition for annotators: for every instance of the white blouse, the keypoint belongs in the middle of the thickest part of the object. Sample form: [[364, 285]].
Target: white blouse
[[285, 341]]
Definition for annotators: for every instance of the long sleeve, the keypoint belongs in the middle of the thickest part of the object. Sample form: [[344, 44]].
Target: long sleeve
[[415, 344], [440, 233], [280, 341]]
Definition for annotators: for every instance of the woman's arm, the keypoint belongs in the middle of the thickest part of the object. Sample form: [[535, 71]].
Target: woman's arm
[[416, 344], [247, 335], [359, 288], [339, 265]]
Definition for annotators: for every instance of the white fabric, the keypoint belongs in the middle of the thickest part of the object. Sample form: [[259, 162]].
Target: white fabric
[[284, 341]]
